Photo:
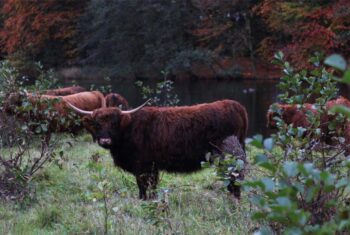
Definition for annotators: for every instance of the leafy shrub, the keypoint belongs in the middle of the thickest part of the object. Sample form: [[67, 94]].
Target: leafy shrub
[[305, 186], [25, 145], [162, 94], [229, 162]]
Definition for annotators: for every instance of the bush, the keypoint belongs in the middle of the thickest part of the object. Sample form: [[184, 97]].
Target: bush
[[306, 183], [162, 94], [25, 144]]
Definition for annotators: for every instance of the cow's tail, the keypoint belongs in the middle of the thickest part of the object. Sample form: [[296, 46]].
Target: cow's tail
[[244, 131]]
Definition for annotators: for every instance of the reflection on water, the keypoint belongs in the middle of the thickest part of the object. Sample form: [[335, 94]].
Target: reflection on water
[[256, 96]]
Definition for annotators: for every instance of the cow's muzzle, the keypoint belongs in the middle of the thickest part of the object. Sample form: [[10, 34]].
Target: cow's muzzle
[[105, 142]]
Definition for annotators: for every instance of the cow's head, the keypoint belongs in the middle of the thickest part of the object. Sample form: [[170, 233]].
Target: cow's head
[[286, 112], [272, 114], [116, 100], [106, 124]]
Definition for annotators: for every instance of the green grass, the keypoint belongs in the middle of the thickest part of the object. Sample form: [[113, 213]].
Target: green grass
[[193, 203]]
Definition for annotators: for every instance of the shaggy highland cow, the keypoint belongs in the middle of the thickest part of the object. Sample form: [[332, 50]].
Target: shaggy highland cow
[[290, 114], [88, 100], [145, 140], [295, 115], [116, 100]]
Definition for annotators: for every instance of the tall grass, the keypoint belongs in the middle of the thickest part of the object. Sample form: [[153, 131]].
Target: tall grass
[[187, 204]]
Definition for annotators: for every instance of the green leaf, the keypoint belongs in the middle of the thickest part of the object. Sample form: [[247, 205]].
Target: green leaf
[[269, 185], [336, 61], [301, 131], [290, 168], [257, 144], [268, 144], [340, 109], [43, 127], [205, 164], [268, 166], [346, 77], [262, 231], [279, 55], [239, 165], [342, 182], [256, 141], [260, 158], [284, 201]]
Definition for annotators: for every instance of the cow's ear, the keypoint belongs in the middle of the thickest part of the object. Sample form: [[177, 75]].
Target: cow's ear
[[125, 120], [290, 110]]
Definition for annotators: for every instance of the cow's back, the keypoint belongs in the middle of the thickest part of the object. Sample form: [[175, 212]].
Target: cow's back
[[88, 100], [65, 91]]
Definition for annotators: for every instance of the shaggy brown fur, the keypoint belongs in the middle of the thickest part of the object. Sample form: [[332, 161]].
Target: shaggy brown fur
[[65, 91], [291, 114], [344, 127], [88, 100], [116, 100], [173, 139]]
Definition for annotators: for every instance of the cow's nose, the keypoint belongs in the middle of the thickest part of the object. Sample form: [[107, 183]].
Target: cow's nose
[[105, 141]]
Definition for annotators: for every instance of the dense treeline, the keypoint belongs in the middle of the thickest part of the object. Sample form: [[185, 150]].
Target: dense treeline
[[194, 37]]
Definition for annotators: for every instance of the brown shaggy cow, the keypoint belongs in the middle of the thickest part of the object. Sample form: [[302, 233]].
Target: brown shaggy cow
[[116, 100], [65, 91], [344, 127], [290, 114], [88, 100], [144, 141]]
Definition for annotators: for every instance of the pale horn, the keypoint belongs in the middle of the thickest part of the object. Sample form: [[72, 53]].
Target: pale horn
[[135, 109], [79, 110]]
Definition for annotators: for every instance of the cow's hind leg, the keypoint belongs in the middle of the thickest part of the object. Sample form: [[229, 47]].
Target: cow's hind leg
[[152, 183], [235, 147]]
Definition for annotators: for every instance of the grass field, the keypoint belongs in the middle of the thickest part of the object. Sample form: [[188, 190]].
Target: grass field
[[63, 202]]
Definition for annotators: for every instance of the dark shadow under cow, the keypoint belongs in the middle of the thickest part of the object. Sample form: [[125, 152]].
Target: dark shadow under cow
[[145, 140]]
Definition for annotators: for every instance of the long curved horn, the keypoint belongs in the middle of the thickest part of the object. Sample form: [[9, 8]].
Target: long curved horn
[[136, 109], [79, 110]]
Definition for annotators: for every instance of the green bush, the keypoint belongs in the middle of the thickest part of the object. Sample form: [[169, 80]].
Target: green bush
[[23, 130], [305, 188], [162, 94]]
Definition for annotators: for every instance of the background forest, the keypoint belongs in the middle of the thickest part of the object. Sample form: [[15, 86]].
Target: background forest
[[189, 38]]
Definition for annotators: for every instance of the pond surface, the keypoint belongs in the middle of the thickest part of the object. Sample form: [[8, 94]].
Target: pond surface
[[255, 95]]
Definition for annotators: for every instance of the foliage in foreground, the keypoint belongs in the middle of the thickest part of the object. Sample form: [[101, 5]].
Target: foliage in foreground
[[306, 188], [20, 132]]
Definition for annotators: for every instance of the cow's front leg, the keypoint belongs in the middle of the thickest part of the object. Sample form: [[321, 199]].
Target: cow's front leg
[[145, 181], [141, 180]]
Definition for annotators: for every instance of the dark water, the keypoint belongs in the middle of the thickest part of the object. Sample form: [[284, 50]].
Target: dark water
[[256, 96]]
